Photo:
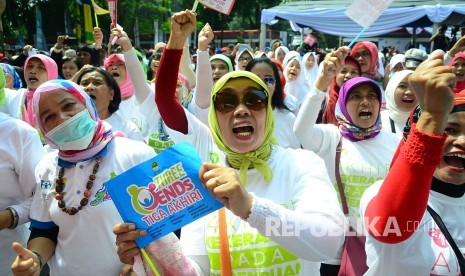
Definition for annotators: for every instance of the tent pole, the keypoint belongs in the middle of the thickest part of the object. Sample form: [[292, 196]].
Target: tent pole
[[414, 37], [262, 35], [340, 41]]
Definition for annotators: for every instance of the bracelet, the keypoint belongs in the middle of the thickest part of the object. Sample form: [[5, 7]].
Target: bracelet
[[41, 260], [15, 217]]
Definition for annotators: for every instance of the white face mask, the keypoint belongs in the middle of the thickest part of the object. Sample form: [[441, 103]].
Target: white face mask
[[76, 133]]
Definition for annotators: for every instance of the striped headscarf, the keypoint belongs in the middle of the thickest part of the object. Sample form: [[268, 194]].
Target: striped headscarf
[[103, 133]]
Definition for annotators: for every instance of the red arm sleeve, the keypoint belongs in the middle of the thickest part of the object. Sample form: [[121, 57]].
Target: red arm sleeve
[[171, 111], [405, 190]]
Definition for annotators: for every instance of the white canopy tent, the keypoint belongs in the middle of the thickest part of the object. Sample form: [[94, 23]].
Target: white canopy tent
[[328, 16]]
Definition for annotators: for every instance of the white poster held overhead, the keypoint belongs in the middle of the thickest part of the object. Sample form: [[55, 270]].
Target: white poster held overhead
[[223, 6], [365, 12]]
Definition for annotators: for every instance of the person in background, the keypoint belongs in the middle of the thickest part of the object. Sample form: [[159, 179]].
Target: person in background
[[351, 69], [400, 101], [71, 211], [105, 93], [414, 57], [154, 60], [267, 71], [70, 66], [440, 40], [13, 80], [396, 64], [458, 68], [20, 152], [242, 58], [37, 70]]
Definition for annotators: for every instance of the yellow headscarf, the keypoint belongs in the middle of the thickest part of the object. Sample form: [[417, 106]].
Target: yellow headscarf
[[253, 159]]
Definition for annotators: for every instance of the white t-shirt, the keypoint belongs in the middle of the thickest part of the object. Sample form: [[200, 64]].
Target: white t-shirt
[[20, 151], [299, 193], [362, 163], [131, 112], [118, 123], [86, 243], [386, 121], [283, 125], [427, 251], [12, 106]]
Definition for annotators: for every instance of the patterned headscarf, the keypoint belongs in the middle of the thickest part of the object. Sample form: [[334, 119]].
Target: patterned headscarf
[[8, 69], [460, 85], [52, 73], [346, 125], [127, 89], [253, 159], [103, 133]]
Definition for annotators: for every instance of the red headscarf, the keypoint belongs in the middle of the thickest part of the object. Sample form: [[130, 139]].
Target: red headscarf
[[280, 67], [329, 117], [460, 85], [374, 64]]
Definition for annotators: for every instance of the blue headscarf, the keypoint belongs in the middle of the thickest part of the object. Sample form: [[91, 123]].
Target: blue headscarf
[[8, 69]]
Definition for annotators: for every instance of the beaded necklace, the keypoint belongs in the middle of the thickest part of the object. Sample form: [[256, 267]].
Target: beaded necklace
[[60, 187]]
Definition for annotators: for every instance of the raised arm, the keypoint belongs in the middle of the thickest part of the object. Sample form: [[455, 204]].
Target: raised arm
[[405, 190], [133, 66], [204, 70], [185, 65], [304, 127], [171, 111]]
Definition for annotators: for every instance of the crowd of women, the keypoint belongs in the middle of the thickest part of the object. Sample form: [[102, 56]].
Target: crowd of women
[[301, 151]]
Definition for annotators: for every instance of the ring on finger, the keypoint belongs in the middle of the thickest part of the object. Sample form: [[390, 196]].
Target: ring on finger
[[217, 181]]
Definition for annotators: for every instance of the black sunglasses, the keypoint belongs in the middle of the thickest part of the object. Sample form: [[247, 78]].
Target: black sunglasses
[[227, 100], [269, 81]]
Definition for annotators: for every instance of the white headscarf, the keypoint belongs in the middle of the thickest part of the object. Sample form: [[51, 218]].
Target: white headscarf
[[297, 87], [289, 56], [397, 115], [396, 59], [310, 75], [284, 48], [238, 55]]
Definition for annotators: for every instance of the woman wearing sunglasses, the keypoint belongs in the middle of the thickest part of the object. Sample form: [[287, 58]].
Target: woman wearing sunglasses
[[258, 180], [366, 150], [284, 119]]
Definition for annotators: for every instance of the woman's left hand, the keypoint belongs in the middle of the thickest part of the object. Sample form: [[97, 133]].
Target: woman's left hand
[[224, 184]]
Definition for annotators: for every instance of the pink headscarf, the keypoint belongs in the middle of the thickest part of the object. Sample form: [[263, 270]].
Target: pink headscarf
[[52, 73], [460, 85], [127, 89], [374, 64], [102, 135]]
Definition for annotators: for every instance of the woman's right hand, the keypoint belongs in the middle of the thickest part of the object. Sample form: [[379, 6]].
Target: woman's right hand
[[126, 234], [26, 263], [206, 36]]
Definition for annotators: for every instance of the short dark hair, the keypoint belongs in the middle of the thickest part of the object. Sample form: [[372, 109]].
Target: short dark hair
[[111, 82]]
